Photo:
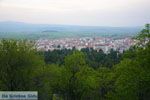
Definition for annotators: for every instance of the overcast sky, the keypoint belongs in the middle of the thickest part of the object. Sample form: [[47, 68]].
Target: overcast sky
[[77, 12]]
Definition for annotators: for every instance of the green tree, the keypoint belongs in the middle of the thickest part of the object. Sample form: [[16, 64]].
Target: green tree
[[73, 65], [132, 77], [106, 81], [78, 80], [18, 62], [127, 83], [144, 36], [49, 82]]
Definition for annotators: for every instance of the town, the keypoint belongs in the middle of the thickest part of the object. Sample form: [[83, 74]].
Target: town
[[97, 43]]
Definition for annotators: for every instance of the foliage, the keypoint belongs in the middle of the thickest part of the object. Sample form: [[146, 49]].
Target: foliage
[[76, 75], [93, 58], [18, 61]]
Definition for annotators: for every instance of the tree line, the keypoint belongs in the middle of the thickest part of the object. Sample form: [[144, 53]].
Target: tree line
[[77, 75]]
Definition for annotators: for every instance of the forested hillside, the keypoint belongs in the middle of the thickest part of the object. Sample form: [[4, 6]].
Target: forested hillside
[[77, 75]]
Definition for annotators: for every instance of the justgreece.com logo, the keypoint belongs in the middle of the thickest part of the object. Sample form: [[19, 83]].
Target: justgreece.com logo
[[18, 95]]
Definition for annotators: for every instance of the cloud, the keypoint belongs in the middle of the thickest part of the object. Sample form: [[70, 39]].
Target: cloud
[[82, 12]]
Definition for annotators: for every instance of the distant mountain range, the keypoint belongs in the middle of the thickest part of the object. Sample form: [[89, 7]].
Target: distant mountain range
[[35, 31]]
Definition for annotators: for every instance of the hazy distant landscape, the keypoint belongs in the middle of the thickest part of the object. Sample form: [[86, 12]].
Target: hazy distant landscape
[[19, 30], [74, 50]]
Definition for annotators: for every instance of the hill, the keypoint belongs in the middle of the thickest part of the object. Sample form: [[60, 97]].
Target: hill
[[35, 31]]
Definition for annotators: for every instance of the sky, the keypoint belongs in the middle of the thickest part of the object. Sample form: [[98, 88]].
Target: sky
[[77, 12]]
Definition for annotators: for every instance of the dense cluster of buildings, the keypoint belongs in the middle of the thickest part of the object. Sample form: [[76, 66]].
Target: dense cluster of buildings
[[105, 44]]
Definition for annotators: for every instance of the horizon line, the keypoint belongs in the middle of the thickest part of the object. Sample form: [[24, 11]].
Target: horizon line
[[9, 21]]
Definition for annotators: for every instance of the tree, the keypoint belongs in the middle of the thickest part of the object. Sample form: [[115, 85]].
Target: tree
[[144, 36], [78, 80], [132, 78], [106, 81], [18, 62], [73, 65], [127, 81], [49, 82]]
